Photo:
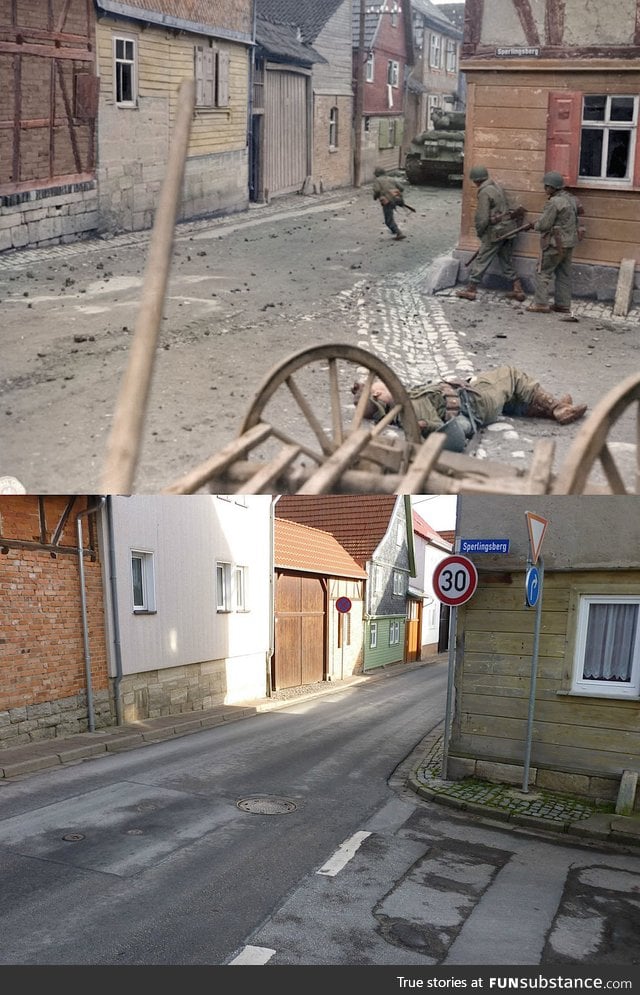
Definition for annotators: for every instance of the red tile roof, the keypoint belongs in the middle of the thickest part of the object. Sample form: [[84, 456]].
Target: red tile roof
[[359, 522], [424, 530], [449, 536], [299, 547]]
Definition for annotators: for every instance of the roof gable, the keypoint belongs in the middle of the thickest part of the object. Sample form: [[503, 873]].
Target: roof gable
[[359, 523], [310, 16], [309, 550]]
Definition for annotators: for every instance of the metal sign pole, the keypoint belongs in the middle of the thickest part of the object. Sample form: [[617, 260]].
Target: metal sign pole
[[534, 673], [453, 616]]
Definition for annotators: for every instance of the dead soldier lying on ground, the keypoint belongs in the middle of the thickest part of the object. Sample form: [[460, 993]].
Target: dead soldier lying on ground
[[459, 408]]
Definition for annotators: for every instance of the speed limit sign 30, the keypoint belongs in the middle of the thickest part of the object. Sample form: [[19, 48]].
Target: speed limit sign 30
[[454, 580]]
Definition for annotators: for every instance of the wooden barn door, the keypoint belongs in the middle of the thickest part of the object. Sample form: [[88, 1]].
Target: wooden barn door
[[299, 650], [286, 132]]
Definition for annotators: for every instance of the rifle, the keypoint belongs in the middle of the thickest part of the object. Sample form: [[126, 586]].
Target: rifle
[[407, 207], [511, 235]]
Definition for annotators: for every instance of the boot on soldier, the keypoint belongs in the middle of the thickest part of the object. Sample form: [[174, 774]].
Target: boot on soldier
[[469, 292], [562, 410], [517, 292]]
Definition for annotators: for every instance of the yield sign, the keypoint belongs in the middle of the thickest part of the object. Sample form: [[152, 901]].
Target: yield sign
[[537, 527]]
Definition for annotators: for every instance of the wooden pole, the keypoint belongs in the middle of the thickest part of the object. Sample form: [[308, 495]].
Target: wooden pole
[[126, 433]]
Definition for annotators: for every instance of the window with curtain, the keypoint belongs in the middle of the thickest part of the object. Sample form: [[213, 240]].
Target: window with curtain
[[607, 657]]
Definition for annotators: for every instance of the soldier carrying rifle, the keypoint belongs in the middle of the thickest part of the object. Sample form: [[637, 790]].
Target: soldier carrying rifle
[[496, 225]]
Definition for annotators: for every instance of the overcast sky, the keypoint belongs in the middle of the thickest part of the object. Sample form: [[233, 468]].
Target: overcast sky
[[438, 510]]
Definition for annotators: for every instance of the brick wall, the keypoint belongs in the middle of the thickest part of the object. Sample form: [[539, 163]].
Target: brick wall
[[332, 168], [42, 667]]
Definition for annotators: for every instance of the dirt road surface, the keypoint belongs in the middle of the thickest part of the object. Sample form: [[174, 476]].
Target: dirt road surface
[[246, 292]]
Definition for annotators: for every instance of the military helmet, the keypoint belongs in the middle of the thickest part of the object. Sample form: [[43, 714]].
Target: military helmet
[[379, 171], [554, 180], [477, 173]]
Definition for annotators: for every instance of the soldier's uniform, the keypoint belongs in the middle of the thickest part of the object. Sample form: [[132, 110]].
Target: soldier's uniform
[[460, 408], [491, 211], [558, 227], [386, 189]]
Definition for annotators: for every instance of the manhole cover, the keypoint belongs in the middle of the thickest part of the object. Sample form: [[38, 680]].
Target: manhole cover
[[73, 837], [266, 805]]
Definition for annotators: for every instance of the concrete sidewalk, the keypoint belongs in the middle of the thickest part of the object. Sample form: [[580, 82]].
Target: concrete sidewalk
[[537, 810]]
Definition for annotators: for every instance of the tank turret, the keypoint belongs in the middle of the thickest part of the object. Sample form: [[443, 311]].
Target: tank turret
[[437, 155]]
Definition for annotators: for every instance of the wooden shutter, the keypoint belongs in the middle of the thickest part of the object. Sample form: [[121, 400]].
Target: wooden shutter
[[86, 89], [563, 134], [223, 79], [209, 77], [199, 74]]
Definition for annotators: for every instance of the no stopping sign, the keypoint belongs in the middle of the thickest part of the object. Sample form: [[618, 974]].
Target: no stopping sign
[[454, 580]]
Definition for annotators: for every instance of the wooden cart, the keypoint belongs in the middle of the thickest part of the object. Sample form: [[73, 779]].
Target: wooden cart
[[332, 448]]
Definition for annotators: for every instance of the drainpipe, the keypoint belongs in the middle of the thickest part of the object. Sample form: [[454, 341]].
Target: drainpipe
[[272, 599], [115, 615], [83, 604]]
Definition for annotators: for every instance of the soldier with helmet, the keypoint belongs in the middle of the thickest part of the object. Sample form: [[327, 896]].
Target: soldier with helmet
[[558, 227], [491, 211], [388, 191]]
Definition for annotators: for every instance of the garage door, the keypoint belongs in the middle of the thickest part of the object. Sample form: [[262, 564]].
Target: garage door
[[285, 132], [299, 648]]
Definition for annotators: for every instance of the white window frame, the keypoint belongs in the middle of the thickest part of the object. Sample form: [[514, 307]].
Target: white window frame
[[609, 127], [393, 73], [451, 58], [223, 586], [435, 51], [394, 633], [240, 587], [146, 603], [604, 688], [373, 635], [333, 128], [370, 68], [398, 583], [125, 61]]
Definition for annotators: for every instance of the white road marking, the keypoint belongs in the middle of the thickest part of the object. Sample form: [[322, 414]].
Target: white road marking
[[253, 955], [343, 854]]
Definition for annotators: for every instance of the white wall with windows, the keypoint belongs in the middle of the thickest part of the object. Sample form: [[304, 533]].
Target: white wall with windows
[[193, 585]]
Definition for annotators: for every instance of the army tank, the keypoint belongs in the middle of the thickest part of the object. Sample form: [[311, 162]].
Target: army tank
[[437, 155]]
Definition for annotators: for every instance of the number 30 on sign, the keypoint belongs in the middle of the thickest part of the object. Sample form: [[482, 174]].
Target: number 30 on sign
[[454, 580]]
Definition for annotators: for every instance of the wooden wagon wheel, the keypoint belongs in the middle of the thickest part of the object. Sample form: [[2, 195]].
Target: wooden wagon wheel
[[332, 433], [592, 445], [338, 358], [332, 439]]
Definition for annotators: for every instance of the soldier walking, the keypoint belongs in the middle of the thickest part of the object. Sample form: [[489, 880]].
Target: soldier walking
[[491, 213]]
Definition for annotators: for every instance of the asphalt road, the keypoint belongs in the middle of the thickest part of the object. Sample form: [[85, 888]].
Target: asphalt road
[[291, 838]]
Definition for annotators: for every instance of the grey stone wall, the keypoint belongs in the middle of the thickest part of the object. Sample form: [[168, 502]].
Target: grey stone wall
[[53, 719], [49, 216], [169, 692]]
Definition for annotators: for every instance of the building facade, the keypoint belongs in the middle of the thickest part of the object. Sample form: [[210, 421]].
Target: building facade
[[585, 685], [558, 89]]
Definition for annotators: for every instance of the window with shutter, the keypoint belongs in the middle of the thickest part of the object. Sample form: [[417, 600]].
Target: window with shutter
[[593, 139]]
